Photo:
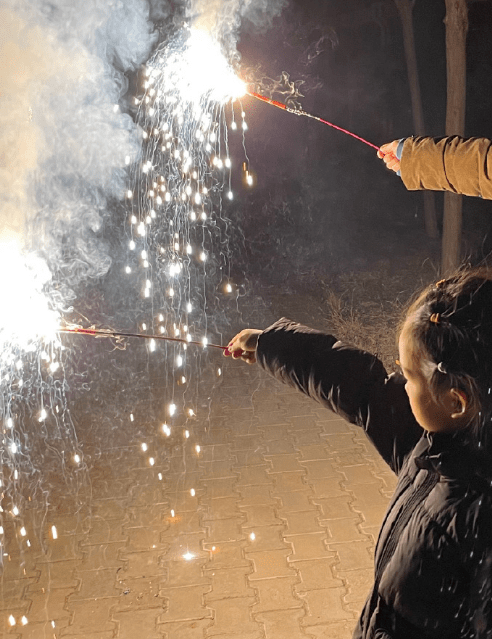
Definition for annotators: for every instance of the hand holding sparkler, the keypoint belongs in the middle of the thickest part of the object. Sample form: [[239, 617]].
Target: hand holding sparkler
[[243, 345], [387, 153]]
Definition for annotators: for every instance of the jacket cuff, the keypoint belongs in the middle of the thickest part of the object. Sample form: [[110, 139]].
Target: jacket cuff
[[399, 151]]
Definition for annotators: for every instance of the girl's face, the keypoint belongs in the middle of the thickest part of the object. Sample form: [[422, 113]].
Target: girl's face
[[433, 416]]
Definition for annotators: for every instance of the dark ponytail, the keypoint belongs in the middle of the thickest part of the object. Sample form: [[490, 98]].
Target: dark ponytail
[[450, 325]]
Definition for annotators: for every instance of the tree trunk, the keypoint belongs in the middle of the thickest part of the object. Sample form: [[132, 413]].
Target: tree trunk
[[456, 31], [405, 7]]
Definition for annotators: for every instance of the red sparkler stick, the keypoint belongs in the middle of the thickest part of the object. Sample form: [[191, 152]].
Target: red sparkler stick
[[108, 333], [284, 107]]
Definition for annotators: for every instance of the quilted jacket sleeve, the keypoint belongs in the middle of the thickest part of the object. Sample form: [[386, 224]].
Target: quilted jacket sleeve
[[346, 380], [448, 164]]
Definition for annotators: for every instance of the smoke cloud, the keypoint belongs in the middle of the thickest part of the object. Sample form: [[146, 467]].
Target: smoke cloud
[[223, 18], [64, 143]]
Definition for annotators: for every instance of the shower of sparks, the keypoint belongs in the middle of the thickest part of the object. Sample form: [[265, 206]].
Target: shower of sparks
[[178, 257], [178, 246]]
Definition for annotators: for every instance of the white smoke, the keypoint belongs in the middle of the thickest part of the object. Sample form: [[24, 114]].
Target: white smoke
[[223, 18], [63, 144]]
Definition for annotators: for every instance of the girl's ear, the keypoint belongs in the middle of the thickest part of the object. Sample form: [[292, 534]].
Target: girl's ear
[[459, 403]]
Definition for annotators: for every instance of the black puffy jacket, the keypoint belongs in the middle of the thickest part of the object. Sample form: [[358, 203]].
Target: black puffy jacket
[[433, 559]]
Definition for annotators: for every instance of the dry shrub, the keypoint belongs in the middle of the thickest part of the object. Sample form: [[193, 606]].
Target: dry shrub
[[365, 309]]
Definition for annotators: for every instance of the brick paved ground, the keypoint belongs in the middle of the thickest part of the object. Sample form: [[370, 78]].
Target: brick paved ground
[[272, 537]]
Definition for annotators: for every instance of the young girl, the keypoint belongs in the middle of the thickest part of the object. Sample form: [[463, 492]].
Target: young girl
[[432, 425]]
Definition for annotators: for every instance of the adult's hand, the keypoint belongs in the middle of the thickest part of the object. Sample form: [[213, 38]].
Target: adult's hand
[[387, 153], [243, 345]]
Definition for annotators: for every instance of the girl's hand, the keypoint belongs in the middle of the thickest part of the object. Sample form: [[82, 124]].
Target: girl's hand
[[388, 154], [243, 345]]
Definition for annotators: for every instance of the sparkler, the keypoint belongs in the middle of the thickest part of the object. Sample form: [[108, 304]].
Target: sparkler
[[118, 335], [284, 107]]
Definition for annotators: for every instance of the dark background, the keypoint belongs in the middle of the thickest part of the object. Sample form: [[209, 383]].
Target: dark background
[[323, 201]]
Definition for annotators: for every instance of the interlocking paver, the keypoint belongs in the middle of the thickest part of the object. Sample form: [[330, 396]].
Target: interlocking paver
[[185, 603], [283, 624], [265, 538], [284, 446], [285, 482], [219, 487], [325, 605], [142, 564], [283, 463], [138, 623], [316, 574], [47, 606], [220, 508], [321, 469], [335, 630], [146, 537], [254, 475], [225, 530], [344, 530], [89, 615], [95, 584], [192, 629], [253, 457], [227, 583], [310, 452], [154, 517], [272, 563], [218, 469], [353, 555], [309, 546], [307, 437], [301, 522], [340, 441], [227, 555], [359, 584], [296, 501], [252, 495], [260, 515], [276, 593], [232, 617], [183, 573], [335, 507], [140, 593]]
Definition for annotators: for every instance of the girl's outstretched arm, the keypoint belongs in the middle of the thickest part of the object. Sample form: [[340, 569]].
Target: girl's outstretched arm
[[347, 380]]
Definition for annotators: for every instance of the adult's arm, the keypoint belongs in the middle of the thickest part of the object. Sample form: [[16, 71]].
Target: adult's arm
[[351, 382], [451, 164]]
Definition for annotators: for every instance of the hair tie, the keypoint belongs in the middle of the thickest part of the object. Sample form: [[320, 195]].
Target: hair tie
[[435, 318]]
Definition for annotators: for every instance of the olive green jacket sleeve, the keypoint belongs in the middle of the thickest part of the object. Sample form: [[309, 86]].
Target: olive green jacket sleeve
[[448, 164]]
